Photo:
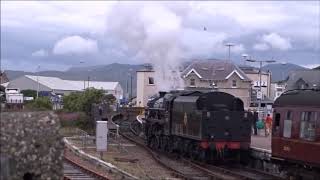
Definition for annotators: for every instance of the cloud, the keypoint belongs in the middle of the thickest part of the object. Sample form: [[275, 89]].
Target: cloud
[[75, 45], [276, 41], [238, 48], [40, 53], [279, 25], [261, 47]]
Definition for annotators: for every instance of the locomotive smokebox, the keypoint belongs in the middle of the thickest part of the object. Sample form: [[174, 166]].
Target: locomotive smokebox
[[162, 93]]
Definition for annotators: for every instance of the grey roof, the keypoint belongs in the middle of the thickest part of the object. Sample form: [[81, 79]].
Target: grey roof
[[214, 69], [299, 98], [311, 77]]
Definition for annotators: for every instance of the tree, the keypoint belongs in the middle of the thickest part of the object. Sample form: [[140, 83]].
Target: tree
[[83, 101], [72, 102]]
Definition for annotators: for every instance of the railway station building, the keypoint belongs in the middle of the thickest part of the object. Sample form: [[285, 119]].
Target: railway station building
[[221, 75]]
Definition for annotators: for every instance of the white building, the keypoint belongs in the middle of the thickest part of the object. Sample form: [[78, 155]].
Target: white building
[[146, 86], [65, 87], [277, 88]]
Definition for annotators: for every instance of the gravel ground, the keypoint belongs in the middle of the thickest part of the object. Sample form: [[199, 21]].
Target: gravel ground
[[130, 158], [90, 166]]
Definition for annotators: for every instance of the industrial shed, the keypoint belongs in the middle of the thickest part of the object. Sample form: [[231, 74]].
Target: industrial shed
[[65, 87]]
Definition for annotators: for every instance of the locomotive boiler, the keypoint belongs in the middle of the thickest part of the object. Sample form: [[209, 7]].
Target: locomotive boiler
[[200, 125]]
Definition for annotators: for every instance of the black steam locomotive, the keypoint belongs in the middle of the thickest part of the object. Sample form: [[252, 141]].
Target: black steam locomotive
[[200, 125]]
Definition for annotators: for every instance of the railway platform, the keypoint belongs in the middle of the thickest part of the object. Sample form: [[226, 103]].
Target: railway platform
[[262, 142]]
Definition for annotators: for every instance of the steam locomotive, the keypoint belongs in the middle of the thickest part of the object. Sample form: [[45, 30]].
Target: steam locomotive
[[207, 126]]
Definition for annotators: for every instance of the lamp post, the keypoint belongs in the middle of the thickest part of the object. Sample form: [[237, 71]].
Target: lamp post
[[260, 65], [84, 79]]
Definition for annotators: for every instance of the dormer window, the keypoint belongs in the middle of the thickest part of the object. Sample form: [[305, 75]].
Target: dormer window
[[192, 82], [234, 83]]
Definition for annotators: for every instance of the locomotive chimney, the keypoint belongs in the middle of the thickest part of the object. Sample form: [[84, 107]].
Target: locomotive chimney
[[162, 93]]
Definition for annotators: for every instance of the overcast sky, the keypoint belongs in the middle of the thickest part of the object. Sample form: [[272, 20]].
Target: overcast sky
[[58, 35]]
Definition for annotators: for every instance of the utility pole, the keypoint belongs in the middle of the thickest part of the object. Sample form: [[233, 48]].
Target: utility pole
[[131, 85], [130, 72], [229, 45], [84, 79], [88, 81], [38, 81]]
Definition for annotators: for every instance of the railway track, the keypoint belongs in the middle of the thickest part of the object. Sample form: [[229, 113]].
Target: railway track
[[74, 171], [186, 169]]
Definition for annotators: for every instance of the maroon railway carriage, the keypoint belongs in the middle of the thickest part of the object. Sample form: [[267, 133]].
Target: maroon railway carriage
[[296, 130]]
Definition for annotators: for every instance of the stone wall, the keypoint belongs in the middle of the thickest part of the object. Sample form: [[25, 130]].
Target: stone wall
[[31, 146]]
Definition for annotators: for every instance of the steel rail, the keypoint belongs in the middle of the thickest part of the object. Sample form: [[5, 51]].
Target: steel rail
[[87, 171]]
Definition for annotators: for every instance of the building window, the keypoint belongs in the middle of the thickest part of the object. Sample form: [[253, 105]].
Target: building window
[[192, 82], [151, 81], [308, 125], [287, 125], [234, 83]]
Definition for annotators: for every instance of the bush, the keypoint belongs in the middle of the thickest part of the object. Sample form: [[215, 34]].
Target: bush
[[76, 102], [41, 103]]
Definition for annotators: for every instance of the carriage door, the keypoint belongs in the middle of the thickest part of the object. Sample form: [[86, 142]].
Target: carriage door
[[276, 124]]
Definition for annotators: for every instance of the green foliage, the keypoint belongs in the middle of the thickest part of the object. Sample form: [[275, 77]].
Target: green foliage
[[109, 98], [29, 93], [41, 103], [72, 102], [76, 102]]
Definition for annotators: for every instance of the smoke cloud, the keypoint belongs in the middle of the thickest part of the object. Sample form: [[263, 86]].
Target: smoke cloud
[[150, 32]]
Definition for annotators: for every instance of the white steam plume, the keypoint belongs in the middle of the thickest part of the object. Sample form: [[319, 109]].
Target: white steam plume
[[150, 32]]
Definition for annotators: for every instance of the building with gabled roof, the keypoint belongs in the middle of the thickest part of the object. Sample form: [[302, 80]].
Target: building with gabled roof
[[203, 75], [65, 87], [303, 79], [222, 75]]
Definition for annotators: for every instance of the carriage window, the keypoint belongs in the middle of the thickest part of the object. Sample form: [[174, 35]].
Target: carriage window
[[287, 125], [276, 125], [308, 125]]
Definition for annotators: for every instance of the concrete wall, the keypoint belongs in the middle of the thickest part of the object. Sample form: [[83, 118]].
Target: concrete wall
[[144, 89], [30, 143]]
